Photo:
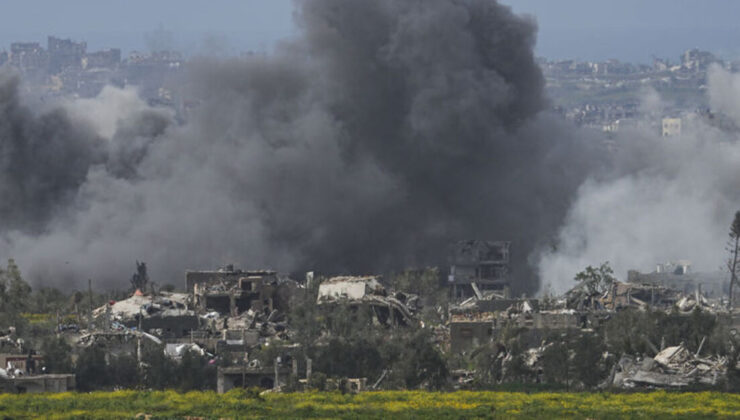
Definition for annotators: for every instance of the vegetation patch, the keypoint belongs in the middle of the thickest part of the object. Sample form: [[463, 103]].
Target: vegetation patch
[[240, 403]]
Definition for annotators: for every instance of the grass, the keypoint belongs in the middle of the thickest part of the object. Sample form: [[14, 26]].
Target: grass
[[374, 405]]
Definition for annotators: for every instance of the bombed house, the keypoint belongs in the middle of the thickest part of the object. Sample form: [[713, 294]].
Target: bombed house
[[368, 292], [471, 327], [224, 275], [232, 291], [620, 296], [118, 342], [166, 314], [479, 266]]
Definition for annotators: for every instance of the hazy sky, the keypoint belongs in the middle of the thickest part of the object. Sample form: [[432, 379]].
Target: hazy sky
[[631, 30]]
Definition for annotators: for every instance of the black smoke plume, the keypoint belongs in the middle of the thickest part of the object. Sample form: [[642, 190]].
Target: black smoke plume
[[385, 131], [44, 160]]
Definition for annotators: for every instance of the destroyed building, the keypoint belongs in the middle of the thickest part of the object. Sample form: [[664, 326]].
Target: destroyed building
[[621, 296], [471, 327], [368, 291], [251, 376], [227, 274], [642, 296], [679, 275], [231, 291], [166, 315], [470, 332], [238, 309], [477, 266], [118, 342], [672, 367]]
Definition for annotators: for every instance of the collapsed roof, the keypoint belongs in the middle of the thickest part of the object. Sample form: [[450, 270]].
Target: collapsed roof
[[367, 290]]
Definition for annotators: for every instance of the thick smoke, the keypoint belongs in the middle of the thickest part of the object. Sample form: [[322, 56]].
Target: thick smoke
[[665, 199], [386, 131], [43, 160]]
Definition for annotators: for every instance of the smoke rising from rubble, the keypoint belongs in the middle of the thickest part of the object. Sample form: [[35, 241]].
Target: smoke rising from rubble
[[383, 133], [665, 199]]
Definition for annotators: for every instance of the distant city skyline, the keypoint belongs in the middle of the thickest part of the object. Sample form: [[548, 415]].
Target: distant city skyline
[[633, 30], [629, 30]]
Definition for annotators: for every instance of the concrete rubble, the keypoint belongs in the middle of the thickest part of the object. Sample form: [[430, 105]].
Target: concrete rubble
[[672, 367], [640, 296], [231, 314], [388, 308], [476, 323], [167, 312]]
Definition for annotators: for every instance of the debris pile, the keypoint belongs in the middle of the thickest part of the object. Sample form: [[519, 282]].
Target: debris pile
[[693, 301], [388, 308], [127, 312], [641, 296], [178, 350], [273, 324], [9, 342], [672, 367]]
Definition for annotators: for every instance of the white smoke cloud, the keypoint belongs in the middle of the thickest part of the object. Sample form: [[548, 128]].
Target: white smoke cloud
[[671, 198], [723, 92], [105, 111]]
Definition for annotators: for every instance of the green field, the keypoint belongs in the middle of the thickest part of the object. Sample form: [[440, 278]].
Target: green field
[[387, 404]]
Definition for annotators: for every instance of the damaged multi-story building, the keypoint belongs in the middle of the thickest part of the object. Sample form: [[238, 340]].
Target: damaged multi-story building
[[232, 291], [478, 266]]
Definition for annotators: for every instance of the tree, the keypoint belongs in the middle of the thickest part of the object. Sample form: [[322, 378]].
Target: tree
[[305, 318], [123, 371], [57, 355], [14, 298], [733, 263], [421, 282], [556, 364], [159, 371], [91, 369], [195, 373], [15, 291], [587, 365], [48, 300], [597, 280]]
